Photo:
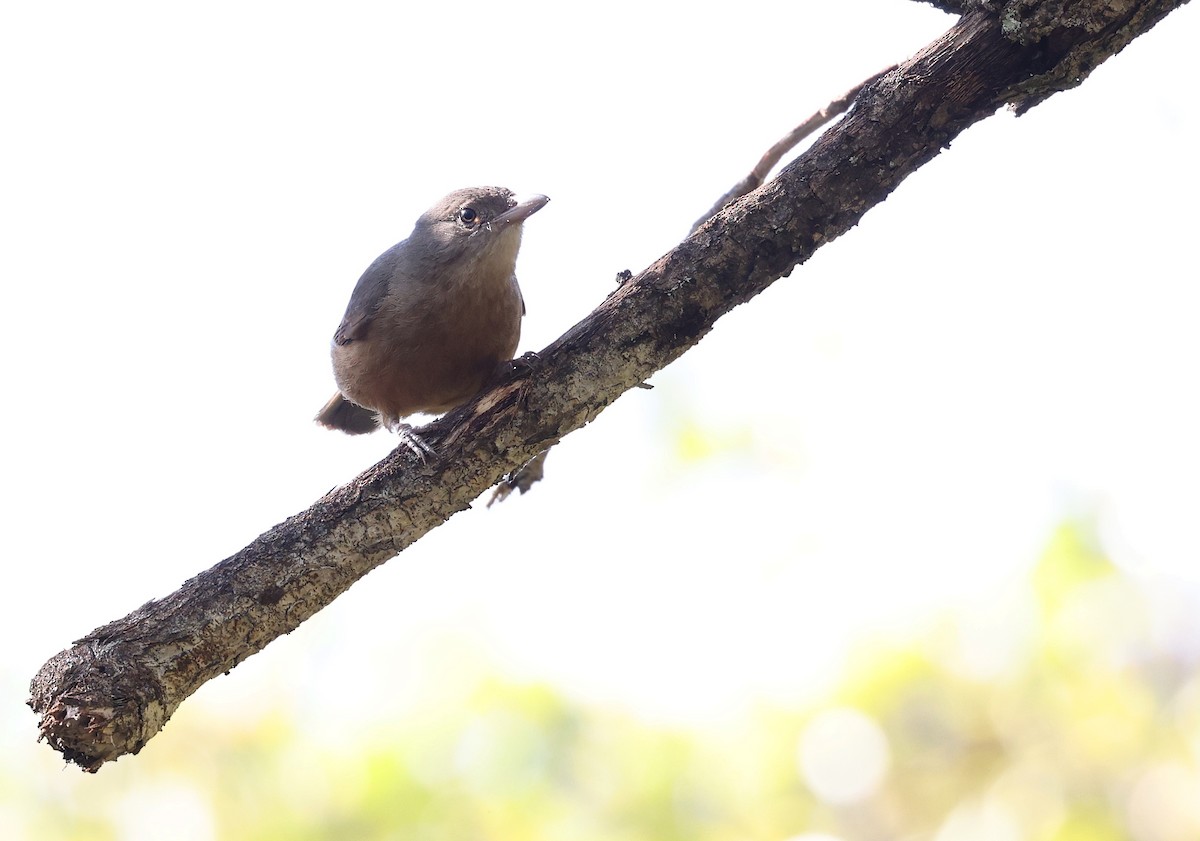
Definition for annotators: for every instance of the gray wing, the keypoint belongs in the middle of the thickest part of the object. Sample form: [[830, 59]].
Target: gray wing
[[368, 294]]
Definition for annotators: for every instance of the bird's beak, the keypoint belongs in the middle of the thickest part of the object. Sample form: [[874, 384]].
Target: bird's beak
[[517, 214]]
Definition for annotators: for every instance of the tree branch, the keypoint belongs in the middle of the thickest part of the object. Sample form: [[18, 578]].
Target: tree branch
[[114, 689]]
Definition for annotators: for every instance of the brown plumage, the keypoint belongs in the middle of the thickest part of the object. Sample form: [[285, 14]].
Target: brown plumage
[[431, 321]]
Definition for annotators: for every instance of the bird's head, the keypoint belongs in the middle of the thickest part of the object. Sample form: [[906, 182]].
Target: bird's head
[[475, 224]]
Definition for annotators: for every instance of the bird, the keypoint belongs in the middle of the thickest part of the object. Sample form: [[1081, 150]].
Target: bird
[[434, 319]]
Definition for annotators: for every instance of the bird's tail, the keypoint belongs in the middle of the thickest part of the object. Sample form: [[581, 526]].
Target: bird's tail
[[340, 413]]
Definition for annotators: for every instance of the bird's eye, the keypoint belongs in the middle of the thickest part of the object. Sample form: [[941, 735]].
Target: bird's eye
[[468, 216]]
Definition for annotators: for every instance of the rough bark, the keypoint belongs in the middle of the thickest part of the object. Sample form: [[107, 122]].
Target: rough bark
[[114, 689]]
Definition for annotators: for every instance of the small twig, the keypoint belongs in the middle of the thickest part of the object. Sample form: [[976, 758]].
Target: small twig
[[521, 479], [788, 142]]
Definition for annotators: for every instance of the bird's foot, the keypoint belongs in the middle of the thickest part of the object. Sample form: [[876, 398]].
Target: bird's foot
[[526, 363], [417, 445]]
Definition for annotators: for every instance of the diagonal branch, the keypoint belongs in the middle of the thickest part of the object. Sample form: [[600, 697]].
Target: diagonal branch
[[107, 695]]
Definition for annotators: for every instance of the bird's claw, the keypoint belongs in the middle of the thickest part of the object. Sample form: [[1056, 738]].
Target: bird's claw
[[414, 442], [526, 363]]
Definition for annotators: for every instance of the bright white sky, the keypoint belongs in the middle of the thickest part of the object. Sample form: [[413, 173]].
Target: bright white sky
[[188, 193]]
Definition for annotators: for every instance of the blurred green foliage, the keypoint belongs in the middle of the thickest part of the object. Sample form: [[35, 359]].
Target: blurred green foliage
[[1064, 709]]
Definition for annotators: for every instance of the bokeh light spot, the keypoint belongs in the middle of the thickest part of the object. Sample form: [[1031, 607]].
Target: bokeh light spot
[[843, 755]]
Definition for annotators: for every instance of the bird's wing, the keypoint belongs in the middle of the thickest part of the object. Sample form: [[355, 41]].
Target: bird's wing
[[368, 294]]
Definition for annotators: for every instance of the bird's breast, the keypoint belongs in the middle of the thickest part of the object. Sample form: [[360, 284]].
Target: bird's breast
[[432, 346]]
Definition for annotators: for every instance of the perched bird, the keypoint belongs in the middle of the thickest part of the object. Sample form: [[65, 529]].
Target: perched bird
[[434, 318]]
